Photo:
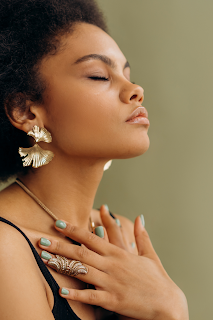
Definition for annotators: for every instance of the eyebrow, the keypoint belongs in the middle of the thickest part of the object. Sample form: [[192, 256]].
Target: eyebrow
[[100, 57]]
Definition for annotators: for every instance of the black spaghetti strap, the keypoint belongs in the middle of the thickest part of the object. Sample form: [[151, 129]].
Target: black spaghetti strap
[[36, 255], [61, 309]]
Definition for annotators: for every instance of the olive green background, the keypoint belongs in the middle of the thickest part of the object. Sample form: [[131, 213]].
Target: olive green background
[[169, 45]]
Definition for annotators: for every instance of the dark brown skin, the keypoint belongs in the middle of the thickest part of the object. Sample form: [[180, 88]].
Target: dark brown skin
[[87, 120]]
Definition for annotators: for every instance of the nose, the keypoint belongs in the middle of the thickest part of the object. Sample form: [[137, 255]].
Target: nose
[[132, 94]]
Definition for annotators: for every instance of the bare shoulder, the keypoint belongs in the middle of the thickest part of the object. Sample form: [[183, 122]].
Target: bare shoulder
[[22, 289]]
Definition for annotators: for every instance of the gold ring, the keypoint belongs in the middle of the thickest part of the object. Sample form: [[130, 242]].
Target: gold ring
[[69, 267]]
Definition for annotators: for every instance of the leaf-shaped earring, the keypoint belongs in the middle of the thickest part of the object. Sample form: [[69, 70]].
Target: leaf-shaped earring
[[36, 155]]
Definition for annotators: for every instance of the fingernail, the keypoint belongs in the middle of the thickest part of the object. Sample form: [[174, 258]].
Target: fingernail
[[118, 222], [142, 220], [99, 231], [60, 224], [45, 242], [45, 255], [64, 291], [106, 206], [133, 245]]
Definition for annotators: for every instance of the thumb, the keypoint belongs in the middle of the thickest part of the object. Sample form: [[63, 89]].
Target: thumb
[[143, 241]]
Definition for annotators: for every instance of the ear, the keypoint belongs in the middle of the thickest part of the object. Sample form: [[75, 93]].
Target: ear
[[24, 114]]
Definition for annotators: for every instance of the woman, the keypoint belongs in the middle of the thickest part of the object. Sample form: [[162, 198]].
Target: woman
[[65, 82]]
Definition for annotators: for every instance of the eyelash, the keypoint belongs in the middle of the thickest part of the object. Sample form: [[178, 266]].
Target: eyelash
[[99, 78], [102, 79]]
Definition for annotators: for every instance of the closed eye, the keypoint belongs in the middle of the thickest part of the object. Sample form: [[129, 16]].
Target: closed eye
[[99, 78]]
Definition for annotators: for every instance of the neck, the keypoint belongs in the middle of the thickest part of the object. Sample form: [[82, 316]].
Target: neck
[[68, 190]]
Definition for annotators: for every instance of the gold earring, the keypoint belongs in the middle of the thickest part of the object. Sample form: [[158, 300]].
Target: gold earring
[[36, 154]]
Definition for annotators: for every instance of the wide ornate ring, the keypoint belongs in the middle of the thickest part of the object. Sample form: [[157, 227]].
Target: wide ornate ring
[[69, 267]]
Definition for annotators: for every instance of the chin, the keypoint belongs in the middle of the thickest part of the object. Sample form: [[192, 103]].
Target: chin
[[135, 149], [140, 150]]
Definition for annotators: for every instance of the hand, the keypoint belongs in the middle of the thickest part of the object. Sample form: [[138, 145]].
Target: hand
[[130, 285], [115, 232]]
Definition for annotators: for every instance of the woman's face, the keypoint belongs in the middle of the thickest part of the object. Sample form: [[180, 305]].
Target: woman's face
[[89, 98]]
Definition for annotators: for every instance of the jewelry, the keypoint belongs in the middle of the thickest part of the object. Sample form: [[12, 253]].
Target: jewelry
[[36, 199], [107, 165], [36, 154], [61, 264], [42, 205], [69, 267]]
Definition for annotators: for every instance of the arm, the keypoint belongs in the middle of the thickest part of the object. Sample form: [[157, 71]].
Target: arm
[[22, 292]]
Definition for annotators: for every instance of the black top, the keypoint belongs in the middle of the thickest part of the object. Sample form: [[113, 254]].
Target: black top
[[61, 309]]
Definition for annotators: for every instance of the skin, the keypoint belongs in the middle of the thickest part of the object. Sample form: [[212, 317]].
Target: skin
[[87, 117]]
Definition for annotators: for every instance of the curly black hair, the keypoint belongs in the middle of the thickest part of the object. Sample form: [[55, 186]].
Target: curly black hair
[[30, 30]]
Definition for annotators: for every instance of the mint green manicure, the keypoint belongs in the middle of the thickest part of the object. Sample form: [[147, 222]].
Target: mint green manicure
[[64, 291], [45, 242], [60, 224], [99, 231], [106, 206], [45, 255], [133, 245], [142, 220], [118, 222]]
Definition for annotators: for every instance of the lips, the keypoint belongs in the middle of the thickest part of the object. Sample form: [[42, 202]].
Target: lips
[[139, 115]]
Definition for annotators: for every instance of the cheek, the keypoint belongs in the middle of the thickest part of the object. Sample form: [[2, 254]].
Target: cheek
[[82, 120], [87, 122]]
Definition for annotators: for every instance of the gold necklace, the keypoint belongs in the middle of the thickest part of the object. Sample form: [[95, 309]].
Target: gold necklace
[[42, 205]]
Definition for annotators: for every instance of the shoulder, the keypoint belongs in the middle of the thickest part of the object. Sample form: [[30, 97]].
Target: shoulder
[[22, 288], [15, 252], [11, 239]]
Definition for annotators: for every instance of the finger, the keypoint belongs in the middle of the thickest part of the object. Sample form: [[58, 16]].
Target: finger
[[71, 251], [143, 241], [113, 228], [93, 276], [126, 240], [93, 297], [101, 232], [106, 235], [89, 239]]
